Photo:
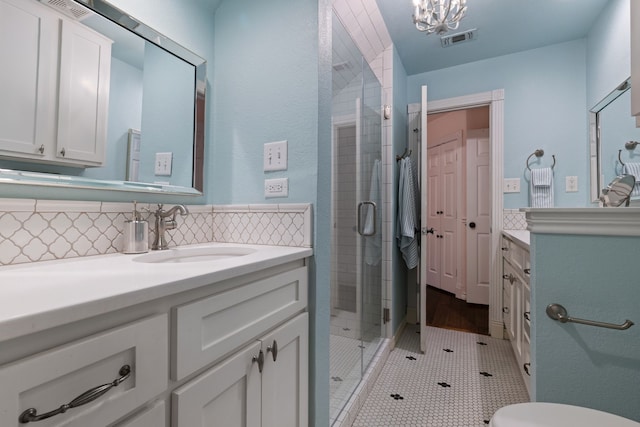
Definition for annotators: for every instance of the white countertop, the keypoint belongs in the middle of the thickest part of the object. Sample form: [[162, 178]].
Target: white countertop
[[519, 236], [41, 295]]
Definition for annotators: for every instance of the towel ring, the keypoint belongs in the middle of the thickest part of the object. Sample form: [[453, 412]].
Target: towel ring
[[539, 153], [406, 154], [629, 145]]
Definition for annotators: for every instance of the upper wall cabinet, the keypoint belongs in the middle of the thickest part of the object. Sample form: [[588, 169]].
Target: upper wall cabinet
[[43, 116], [635, 61]]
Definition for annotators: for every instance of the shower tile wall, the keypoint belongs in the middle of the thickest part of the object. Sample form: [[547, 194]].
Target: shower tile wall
[[40, 230]]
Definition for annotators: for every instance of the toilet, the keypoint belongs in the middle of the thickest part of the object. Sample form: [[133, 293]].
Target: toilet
[[538, 414]]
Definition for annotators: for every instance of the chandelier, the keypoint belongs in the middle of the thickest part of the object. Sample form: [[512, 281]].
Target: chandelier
[[438, 16]]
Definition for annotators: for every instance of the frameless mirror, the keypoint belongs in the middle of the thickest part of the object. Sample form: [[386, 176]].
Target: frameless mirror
[[156, 105], [612, 132], [618, 192]]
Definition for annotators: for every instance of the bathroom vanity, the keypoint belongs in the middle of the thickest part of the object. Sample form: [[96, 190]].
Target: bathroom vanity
[[516, 297], [215, 335]]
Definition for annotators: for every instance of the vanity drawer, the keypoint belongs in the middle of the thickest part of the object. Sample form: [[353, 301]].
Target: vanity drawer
[[206, 330], [50, 379]]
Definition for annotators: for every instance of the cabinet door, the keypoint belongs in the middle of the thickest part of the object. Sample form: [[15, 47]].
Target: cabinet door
[[85, 56], [28, 78], [285, 375], [226, 395]]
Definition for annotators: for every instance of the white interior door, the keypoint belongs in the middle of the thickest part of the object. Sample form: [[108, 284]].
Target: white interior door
[[433, 252], [449, 213], [423, 219], [478, 218]]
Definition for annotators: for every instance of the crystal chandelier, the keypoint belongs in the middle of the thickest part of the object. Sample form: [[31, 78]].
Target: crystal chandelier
[[438, 16]]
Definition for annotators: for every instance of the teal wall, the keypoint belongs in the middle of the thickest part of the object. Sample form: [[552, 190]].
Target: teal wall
[[399, 117], [593, 277], [273, 82], [545, 107], [608, 47]]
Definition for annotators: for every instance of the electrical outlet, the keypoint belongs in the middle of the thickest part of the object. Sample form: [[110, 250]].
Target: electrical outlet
[[277, 187], [511, 185], [571, 184], [163, 164], [275, 156]]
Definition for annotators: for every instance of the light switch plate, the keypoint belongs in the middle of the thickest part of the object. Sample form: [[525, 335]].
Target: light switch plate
[[163, 164], [511, 185], [275, 156], [571, 184]]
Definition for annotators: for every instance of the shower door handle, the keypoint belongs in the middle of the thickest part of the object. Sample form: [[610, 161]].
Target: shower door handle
[[375, 219]]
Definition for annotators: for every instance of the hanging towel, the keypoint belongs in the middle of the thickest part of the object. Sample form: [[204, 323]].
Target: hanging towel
[[407, 220], [373, 244], [633, 169], [541, 190]]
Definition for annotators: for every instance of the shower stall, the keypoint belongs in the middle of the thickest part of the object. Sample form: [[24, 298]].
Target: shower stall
[[356, 241]]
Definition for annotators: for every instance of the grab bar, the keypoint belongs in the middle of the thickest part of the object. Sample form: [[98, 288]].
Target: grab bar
[[559, 313]]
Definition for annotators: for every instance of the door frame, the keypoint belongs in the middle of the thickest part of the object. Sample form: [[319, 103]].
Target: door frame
[[495, 100]]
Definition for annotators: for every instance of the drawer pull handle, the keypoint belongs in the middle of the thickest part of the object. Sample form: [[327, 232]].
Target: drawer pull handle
[[527, 271], [273, 349], [526, 368], [31, 414], [527, 315], [260, 360], [505, 249], [63, 152], [41, 149], [505, 310]]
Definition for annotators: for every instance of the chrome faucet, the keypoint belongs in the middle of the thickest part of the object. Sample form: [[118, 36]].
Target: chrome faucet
[[163, 224]]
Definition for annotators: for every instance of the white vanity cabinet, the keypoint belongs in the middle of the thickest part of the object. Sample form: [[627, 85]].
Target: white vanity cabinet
[[231, 352], [516, 269], [262, 385], [46, 116]]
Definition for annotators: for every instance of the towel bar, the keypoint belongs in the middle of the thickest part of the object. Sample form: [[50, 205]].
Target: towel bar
[[559, 313]]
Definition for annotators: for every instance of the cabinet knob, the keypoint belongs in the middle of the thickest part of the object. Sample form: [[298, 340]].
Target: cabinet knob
[[527, 315], [41, 149], [527, 271], [273, 349], [505, 249], [526, 368], [259, 359], [505, 310], [472, 225], [63, 152]]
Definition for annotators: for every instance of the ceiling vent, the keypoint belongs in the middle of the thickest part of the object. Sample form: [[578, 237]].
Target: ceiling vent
[[69, 8], [454, 39]]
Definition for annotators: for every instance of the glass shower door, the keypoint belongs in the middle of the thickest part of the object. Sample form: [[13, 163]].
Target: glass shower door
[[369, 147]]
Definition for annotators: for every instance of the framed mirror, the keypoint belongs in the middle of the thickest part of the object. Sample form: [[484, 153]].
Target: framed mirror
[[155, 116], [611, 128]]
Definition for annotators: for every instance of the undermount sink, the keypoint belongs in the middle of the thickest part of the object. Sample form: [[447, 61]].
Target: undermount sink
[[197, 254]]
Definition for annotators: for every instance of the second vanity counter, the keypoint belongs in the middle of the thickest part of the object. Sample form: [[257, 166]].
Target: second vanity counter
[[42, 295]]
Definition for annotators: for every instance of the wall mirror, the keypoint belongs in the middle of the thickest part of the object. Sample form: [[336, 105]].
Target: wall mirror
[[156, 96], [611, 128]]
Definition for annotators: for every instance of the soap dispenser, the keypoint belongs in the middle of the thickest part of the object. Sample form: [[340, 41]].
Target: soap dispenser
[[136, 234]]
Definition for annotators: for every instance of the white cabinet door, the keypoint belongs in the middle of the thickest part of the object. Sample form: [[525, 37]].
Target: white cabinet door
[[226, 395], [285, 387], [85, 58], [28, 78]]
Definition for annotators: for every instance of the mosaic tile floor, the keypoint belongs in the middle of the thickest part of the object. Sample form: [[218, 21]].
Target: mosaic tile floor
[[460, 381]]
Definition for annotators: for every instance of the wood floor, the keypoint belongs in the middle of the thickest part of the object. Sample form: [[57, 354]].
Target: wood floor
[[446, 311]]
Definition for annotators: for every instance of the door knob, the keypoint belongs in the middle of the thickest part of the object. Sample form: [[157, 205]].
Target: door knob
[[472, 225]]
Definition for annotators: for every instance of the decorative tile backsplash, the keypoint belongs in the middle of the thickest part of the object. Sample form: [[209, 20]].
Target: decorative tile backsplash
[[513, 219], [40, 230]]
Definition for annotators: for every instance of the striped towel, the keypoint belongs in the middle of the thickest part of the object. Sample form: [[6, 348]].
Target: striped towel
[[407, 219], [541, 188], [633, 169]]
